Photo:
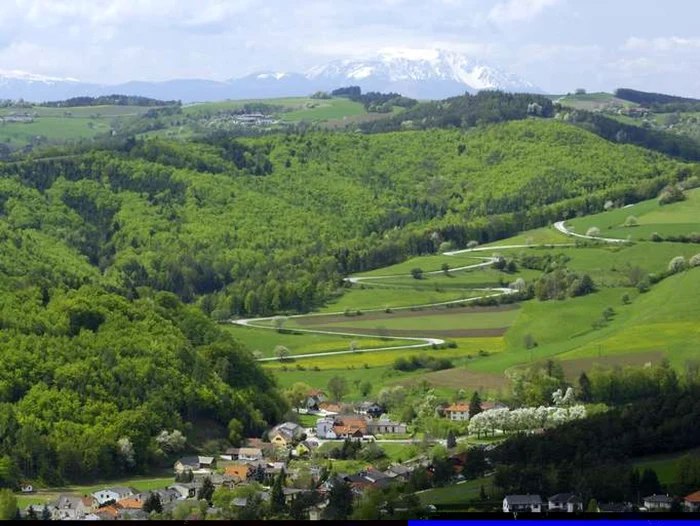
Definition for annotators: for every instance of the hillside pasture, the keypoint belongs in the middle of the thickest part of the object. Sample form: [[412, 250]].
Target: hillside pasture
[[673, 219]]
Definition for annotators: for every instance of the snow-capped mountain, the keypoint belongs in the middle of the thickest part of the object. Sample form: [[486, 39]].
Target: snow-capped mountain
[[422, 74], [17, 84]]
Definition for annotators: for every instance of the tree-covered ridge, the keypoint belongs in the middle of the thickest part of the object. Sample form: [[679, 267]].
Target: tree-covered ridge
[[679, 146], [649, 99], [467, 111]]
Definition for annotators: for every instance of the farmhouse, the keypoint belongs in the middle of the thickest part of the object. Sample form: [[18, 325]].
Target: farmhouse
[[692, 502], [457, 412], [565, 502], [658, 502], [112, 494], [354, 427], [460, 410], [523, 503]]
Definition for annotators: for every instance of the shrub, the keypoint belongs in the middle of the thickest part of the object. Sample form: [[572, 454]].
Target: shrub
[[415, 362], [594, 231], [472, 244], [677, 264], [656, 237], [608, 313], [695, 261], [417, 273], [631, 221], [626, 300], [671, 194]]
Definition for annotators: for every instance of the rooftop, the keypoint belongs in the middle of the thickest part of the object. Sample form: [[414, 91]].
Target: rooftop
[[523, 499]]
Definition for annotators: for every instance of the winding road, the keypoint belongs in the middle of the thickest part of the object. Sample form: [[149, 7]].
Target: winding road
[[561, 227], [266, 323]]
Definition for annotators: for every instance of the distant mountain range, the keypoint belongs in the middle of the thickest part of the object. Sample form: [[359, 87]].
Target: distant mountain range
[[433, 74]]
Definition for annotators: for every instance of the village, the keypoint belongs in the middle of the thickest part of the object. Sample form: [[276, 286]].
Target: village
[[302, 462], [287, 452]]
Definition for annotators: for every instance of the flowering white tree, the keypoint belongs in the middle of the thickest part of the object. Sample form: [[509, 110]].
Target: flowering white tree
[[171, 442], [525, 419], [126, 450], [519, 285], [561, 398]]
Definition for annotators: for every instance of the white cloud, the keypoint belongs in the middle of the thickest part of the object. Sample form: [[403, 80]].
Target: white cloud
[[661, 44], [518, 10]]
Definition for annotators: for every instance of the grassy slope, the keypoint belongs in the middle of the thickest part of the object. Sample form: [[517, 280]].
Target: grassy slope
[[375, 297], [265, 341], [593, 101], [461, 319], [676, 218]]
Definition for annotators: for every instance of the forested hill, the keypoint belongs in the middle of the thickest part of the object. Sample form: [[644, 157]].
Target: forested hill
[[466, 111], [492, 107], [98, 252], [262, 225]]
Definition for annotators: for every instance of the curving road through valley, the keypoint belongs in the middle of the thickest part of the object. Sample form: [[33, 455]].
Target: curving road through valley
[[266, 323]]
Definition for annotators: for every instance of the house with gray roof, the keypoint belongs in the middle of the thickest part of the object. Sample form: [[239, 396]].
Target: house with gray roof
[[522, 503]]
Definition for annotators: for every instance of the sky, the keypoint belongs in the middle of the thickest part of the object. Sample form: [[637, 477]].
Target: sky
[[559, 45]]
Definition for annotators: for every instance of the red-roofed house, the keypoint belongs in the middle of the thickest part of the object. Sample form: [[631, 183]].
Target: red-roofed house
[[460, 410], [692, 502], [107, 513], [457, 412]]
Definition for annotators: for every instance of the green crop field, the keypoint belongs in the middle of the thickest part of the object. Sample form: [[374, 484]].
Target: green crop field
[[456, 493], [265, 341], [594, 101], [321, 110], [368, 296], [463, 318]]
